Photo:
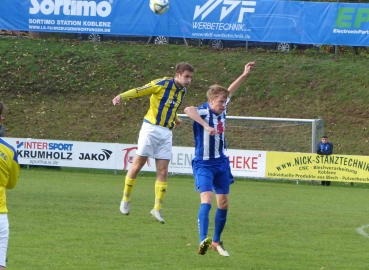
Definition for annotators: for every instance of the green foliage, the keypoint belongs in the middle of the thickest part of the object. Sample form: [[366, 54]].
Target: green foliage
[[69, 219], [62, 88]]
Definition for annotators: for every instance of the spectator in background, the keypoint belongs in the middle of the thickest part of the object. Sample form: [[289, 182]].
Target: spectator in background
[[325, 148], [2, 129], [9, 171]]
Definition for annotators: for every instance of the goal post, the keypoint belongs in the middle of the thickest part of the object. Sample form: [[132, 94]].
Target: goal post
[[262, 133]]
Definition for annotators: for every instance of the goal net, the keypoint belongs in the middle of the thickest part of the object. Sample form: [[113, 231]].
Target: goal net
[[262, 133]]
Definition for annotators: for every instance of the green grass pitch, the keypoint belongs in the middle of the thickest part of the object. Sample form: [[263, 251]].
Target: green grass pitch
[[70, 219]]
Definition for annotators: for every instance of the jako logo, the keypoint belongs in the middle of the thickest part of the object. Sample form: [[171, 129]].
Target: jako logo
[[71, 7], [99, 157], [210, 5], [129, 158]]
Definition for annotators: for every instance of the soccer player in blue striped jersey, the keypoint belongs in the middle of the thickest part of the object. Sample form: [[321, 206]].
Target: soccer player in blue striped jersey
[[211, 167], [155, 138], [9, 171]]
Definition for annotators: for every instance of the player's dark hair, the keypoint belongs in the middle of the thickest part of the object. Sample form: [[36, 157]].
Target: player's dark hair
[[325, 137], [1, 108], [183, 66]]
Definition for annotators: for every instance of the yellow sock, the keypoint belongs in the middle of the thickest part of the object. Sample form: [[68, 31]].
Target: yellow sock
[[128, 186], [160, 191]]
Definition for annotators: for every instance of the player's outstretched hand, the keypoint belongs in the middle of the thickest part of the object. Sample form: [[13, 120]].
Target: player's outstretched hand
[[179, 122], [248, 67], [116, 100]]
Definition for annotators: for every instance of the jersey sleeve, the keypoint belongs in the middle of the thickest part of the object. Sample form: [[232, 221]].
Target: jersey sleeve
[[147, 89], [330, 149], [13, 174], [203, 110]]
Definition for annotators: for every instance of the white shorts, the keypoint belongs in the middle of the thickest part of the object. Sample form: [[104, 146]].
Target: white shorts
[[154, 141], [4, 237]]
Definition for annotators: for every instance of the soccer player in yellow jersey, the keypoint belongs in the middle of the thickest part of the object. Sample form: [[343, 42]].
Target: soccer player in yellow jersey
[[1, 120], [9, 171], [155, 138]]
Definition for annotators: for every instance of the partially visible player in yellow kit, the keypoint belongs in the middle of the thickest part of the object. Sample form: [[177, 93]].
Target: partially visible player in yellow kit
[[9, 171], [2, 129], [155, 139]]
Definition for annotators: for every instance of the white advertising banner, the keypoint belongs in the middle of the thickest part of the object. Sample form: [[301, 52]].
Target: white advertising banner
[[40, 152], [180, 162], [244, 163], [124, 157], [247, 163], [64, 153]]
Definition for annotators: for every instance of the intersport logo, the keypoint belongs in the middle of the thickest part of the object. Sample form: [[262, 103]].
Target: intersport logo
[[71, 7], [227, 7]]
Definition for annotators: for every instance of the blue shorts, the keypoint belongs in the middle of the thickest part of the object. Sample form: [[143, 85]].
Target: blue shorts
[[214, 174]]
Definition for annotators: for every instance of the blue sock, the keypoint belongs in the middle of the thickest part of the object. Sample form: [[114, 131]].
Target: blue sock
[[203, 220], [219, 223]]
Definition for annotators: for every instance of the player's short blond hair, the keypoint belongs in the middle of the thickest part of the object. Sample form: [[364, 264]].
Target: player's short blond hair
[[216, 91]]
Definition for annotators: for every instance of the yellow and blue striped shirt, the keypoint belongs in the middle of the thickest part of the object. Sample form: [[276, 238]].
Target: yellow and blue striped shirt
[[9, 171], [166, 98]]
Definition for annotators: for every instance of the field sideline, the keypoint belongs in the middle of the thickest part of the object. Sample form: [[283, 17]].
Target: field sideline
[[70, 219]]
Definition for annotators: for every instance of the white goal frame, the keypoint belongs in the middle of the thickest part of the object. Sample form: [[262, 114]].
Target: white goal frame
[[316, 133]]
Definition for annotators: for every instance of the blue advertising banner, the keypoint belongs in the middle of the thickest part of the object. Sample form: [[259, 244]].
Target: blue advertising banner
[[268, 21]]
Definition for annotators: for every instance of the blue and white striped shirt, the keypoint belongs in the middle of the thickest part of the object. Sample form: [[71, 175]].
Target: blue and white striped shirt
[[209, 147]]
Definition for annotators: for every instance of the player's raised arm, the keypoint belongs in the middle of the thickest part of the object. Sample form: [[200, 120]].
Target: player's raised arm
[[236, 84], [194, 115], [136, 92]]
